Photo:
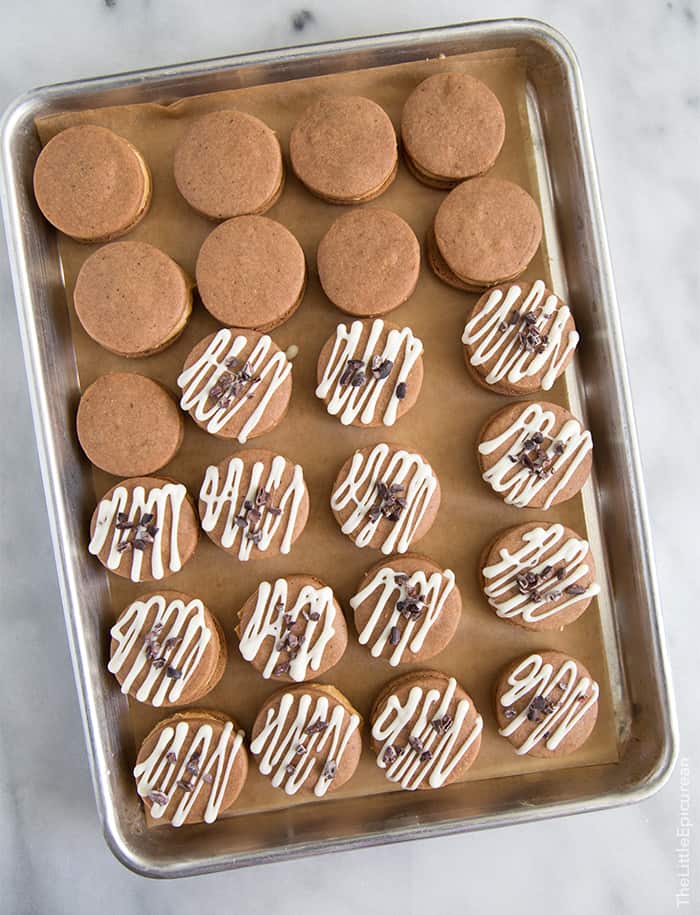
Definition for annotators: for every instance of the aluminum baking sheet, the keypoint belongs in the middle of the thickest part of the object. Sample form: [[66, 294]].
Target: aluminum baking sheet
[[614, 505]]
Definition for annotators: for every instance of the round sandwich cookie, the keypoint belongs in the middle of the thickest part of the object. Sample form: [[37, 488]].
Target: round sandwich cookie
[[229, 163], [486, 232], [92, 184], [191, 767], [519, 338], [535, 455], [167, 649], [343, 149], [254, 504], [407, 609], [129, 425], [546, 704], [538, 575], [368, 262], [385, 498], [132, 298], [370, 372], [236, 384], [292, 628], [426, 731], [452, 128], [144, 528], [307, 739], [251, 273]]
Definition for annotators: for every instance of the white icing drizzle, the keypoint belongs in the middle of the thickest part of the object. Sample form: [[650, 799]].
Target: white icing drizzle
[[134, 504], [445, 752], [515, 362], [435, 591], [360, 488], [266, 622], [157, 773], [541, 547], [179, 620], [349, 402], [516, 480], [229, 496], [264, 361], [283, 735], [534, 676]]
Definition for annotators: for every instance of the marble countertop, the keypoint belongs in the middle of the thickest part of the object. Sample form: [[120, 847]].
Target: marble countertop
[[640, 67]]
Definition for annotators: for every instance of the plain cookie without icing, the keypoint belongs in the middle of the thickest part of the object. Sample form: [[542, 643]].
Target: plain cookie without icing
[[229, 163], [92, 184]]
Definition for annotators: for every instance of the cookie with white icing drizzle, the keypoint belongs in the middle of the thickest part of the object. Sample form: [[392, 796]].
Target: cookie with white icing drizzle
[[519, 338], [167, 649], [406, 608], [538, 575], [370, 372], [307, 739], [385, 497], [292, 628], [191, 767], [254, 504], [236, 384], [144, 528], [546, 704], [535, 455], [426, 731]]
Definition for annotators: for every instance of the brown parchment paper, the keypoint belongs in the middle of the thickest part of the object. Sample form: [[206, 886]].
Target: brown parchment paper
[[443, 425]]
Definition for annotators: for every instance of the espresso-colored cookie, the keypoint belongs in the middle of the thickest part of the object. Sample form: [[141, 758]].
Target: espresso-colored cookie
[[370, 373], [426, 731], [254, 504], [535, 455], [546, 704], [129, 425], [191, 767], [407, 609], [385, 497], [144, 528], [132, 298], [538, 575], [486, 232], [251, 273], [167, 649], [236, 384], [368, 262], [307, 739], [229, 164], [519, 338], [452, 128], [292, 628], [92, 184], [343, 148]]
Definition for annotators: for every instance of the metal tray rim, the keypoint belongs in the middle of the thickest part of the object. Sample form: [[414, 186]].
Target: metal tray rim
[[26, 104]]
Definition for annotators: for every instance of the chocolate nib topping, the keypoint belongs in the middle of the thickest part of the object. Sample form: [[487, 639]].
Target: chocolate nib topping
[[316, 727], [401, 390], [250, 520], [539, 707], [186, 786], [171, 757], [329, 770], [389, 502], [207, 778], [442, 725], [389, 755], [233, 384], [529, 337], [356, 373], [415, 744], [158, 797], [144, 531], [394, 635], [509, 713], [529, 583], [575, 590], [538, 460]]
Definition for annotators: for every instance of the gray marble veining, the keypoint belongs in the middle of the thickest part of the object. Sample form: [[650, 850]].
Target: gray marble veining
[[640, 65]]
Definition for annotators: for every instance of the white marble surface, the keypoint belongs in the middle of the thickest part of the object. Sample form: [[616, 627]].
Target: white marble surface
[[640, 64]]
